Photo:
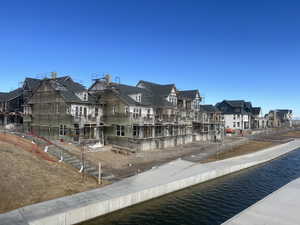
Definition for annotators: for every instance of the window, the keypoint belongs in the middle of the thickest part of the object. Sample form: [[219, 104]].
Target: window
[[85, 111], [238, 124], [135, 113], [138, 98], [96, 112], [80, 111], [85, 97], [136, 131], [148, 113], [76, 111], [120, 130], [158, 131], [233, 124], [62, 130], [113, 109], [234, 116]]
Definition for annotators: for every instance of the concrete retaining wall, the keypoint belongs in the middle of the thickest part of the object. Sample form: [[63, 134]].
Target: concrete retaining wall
[[168, 178]]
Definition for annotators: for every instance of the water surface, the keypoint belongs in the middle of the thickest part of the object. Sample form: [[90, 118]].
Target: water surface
[[213, 202]]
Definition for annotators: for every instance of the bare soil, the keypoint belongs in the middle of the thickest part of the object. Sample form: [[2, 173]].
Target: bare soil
[[126, 165], [27, 177], [250, 147], [295, 134]]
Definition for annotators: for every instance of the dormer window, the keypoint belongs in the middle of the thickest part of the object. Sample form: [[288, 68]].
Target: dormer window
[[136, 97], [85, 97]]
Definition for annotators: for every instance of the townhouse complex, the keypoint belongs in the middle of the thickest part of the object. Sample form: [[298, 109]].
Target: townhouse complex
[[141, 117]]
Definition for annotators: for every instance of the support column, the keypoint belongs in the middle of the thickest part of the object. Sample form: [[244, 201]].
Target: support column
[[5, 120], [141, 131], [153, 131]]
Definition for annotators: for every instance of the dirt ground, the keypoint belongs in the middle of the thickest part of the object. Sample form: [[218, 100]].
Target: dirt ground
[[251, 146], [126, 165], [28, 178], [295, 134]]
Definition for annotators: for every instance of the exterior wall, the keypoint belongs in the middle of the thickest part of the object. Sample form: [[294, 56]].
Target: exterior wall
[[233, 120], [151, 143]]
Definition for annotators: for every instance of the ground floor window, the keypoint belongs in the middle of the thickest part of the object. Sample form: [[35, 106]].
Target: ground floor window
[[147, 131], [158, 131], [120, 130], [62, 130], [136, 131]]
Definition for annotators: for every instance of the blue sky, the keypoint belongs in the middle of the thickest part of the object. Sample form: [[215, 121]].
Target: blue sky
[[227, 49]]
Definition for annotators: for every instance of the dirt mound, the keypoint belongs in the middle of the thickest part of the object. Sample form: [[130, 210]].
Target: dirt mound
[[28, 178]]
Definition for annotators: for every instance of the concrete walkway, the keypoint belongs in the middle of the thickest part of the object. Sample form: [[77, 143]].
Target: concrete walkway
[[159, 181], [282, 207]]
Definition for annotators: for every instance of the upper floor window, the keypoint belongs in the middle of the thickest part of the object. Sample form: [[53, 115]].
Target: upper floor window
[[120, 130], [96, 112], [76, 111], [85, 96]]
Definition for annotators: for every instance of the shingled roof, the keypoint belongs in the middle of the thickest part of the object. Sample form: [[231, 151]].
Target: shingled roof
[[148, 98], [188, 94], [256, 110], [209, 108], [235, 106], [157, 89], [69, 89]]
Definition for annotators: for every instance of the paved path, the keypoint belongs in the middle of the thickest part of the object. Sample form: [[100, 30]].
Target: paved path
[[282, 207]]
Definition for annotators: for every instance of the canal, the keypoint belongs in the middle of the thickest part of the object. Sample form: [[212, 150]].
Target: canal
[[213, 202]]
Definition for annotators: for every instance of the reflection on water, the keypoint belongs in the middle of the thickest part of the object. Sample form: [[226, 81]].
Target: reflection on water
[[213, 202]]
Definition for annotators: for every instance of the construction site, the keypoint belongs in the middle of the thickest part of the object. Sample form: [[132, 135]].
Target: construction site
[[63, 138]]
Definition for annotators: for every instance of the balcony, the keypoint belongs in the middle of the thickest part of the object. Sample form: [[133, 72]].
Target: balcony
[[166, 118], [27, 118], [133, 118], [85, 119]]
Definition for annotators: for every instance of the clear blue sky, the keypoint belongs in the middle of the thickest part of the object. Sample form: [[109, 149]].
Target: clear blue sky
[[227, 49]]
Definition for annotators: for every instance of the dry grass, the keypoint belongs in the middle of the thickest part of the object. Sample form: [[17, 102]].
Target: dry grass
[[292, 134], [27, 178], [250, 147]]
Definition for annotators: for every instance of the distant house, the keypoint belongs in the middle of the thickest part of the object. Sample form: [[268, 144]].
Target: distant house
[[212, 124], [280, 118], [258, 121], [237, 114]]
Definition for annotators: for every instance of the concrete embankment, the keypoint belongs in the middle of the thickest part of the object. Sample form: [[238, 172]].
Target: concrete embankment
[[279, 208], [159, 181]]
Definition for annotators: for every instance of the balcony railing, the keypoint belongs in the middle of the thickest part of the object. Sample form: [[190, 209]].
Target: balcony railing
[[130, 117]]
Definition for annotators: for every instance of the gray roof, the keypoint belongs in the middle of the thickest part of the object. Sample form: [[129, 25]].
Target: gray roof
[[234, 106], [68, 89], [256, 110], [32, 83], [188, 94], [209, 108], [148, 98], [158, 89], [6, 96]]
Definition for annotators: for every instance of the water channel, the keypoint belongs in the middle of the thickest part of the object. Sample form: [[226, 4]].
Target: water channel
[[213, 202]]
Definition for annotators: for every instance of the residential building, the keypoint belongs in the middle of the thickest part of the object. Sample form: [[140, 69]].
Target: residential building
[[60, 108], [212, 125], [237, 115], [279, 118], [258, 121]]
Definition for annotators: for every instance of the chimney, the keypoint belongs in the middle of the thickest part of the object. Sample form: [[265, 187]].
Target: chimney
[[53, 75]]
